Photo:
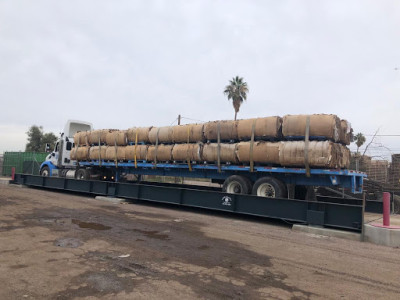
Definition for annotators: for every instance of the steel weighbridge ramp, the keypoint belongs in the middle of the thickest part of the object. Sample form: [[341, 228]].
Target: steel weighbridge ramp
[[307, 212]]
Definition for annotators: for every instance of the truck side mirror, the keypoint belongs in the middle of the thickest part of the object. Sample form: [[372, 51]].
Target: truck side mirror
[[47, 148]]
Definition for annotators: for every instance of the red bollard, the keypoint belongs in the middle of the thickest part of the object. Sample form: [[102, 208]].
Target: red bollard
[[13, 173], [386, 209]]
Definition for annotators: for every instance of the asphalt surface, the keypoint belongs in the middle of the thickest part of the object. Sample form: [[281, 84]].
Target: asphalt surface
[[68, 246]]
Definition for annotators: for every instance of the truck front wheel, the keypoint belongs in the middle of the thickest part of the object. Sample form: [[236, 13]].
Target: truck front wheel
[[237, 184], [45, 171], [269, 187]]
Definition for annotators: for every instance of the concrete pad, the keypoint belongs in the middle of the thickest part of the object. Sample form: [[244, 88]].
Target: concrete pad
[[381, 235], [378, 218], [327, 232], [5, 181], [110, 199], [21, 186]]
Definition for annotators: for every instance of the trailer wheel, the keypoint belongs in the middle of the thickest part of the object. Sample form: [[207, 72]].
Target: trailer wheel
[[82, 174], [237, 184], [45, 171], [270, 187]]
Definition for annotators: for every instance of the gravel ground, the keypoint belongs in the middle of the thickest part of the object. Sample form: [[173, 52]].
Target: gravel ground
[[68, 246]]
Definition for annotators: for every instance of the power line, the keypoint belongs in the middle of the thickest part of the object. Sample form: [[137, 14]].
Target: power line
[[173, 121], [192, 119], [389, 135]]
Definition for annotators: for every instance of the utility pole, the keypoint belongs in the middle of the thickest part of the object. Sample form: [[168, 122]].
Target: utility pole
[[179, 119]]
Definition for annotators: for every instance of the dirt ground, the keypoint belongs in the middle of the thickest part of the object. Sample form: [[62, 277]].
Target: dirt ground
[[69, 246]]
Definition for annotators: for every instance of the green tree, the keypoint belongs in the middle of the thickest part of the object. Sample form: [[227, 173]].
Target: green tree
[[237, 91], [359, 139], [37, 139], [48, 138]]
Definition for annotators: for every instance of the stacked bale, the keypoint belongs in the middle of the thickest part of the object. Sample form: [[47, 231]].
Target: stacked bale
[[142, 134], [394, 171], [263, 152], [115, 153], [267, 141], [98, 137], [227, 130], [116, 138], [264, 128], [160, 135], [227, 153], [159, 153], [82, 153], [378, 171], [140, 151], [320, 126], [190, 133], [187, 152], [346, 132], [82, 138], [97, 152], [320, 154]]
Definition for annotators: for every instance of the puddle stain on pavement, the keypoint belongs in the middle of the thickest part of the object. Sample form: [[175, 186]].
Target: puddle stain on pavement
[[221, 267], [88, 225], [153, 234], [68, 243]]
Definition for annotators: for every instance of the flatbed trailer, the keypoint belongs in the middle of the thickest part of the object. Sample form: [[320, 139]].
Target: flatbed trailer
[[348, 179], [261, 180]]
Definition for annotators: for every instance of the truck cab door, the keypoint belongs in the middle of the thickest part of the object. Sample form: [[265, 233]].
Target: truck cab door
[[55, 154], [66, 154], [60, 153]]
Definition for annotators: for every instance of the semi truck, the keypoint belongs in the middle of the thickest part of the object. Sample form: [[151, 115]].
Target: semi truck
[[259, 180]]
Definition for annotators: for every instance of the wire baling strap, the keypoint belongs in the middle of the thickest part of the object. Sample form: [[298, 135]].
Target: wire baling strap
[[116, 151], [155, 152], [136, 137], [306, 146], [187, 149], [99, 152], [253, 127], [77, 147], [219, 146]]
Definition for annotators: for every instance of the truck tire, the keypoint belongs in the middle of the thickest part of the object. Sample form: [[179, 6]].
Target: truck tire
[[300, 192], [310, 195], [237, 184], [82, 174], [269, 187], [45, 171], [303, 192]]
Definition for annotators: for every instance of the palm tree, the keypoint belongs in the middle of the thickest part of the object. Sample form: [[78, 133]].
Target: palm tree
[[237, 91], [359, 138]]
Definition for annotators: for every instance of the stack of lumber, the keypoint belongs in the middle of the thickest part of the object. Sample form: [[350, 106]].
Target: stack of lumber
[[295, 140]]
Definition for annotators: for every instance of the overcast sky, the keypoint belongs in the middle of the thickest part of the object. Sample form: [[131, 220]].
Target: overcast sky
[[120, 64]]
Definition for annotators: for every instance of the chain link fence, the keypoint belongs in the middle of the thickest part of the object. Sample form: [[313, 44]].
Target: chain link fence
[[23, 162], [1, 164]]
